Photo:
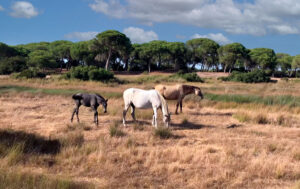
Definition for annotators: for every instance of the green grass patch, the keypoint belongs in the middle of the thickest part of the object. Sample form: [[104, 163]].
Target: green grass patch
[[287, 100], [67, 92], [13, 180]]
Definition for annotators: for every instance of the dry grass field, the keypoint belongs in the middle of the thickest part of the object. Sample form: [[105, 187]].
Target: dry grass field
[[219, 142]]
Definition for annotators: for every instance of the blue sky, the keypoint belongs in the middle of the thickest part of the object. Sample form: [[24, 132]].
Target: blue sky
[[254, 23]]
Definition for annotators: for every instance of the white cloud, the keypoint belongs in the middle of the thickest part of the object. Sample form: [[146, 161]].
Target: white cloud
[[113, 8], [284, 29], [257, 17], [1, 8], [81, 36], [138, 35], [217, 37], [23, 9]]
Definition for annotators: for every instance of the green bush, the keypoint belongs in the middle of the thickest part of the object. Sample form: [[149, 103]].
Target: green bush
[[30, 73], [191, 77], [89, 73], [12, 64], [256, 76]]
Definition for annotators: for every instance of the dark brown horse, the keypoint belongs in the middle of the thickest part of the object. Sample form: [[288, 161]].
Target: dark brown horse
[[178, 92], [88, 100]]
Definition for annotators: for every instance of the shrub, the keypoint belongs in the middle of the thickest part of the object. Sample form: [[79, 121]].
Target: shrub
[[163, 133], [191, 77], [256, 76], [12, 64], [75, 139], [100, 75], [115, 131], [89, 73], [30, 73]]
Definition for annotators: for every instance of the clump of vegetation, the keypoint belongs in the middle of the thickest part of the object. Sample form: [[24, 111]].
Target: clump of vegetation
[[13, 180], [163, 132], [30, 73], [75, 139], [89, 73], [115, 131], [191, 77], [271, 147], [256, 76], [12, 64], [296, 156], [241, 117], [261, 119]]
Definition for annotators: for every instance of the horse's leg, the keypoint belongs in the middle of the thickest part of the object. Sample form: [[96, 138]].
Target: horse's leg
[[124, 114], [77, 112], [73, 114], [181, 106], [95, 115], [133, 112], [177, 104], [154, 117]]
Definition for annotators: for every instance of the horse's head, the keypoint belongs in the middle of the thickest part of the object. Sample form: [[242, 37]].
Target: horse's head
[[104, 104], [198, 92], [167, 119]]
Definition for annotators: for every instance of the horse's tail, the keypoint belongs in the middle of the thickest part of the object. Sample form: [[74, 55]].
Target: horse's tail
[[164, 104], [77, 97]]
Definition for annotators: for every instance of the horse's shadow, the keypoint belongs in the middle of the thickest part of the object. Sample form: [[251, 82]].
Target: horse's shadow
[[189, 126], [32, 144]]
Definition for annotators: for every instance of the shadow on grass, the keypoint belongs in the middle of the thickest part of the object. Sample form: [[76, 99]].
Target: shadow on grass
[[189, 126], [32, 143]]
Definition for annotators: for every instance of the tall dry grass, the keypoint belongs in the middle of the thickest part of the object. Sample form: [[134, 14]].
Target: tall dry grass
[[204, 152]]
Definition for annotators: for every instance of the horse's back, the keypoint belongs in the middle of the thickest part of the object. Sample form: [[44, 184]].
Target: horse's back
[[140, 98], [169, 92]]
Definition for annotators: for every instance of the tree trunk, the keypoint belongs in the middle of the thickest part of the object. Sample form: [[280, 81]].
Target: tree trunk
[[225, 68], [108, 59], [149, 67]]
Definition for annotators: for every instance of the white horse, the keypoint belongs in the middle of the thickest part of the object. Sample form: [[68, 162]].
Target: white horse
[[145, 99]]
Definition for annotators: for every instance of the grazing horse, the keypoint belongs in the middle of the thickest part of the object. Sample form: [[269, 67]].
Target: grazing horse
[[145, 99], [89, 100], [178, 92]]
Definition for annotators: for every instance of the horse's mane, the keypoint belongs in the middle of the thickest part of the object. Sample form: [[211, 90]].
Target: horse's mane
[[100, 96], [164, 103]]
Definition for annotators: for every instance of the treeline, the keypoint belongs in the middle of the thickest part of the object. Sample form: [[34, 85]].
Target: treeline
[[114, 51]]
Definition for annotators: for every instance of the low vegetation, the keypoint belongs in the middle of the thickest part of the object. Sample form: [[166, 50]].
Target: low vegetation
[[89, 73], [257, 76]]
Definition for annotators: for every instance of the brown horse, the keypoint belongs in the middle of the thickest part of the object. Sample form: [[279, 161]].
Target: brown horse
[[178, 92]]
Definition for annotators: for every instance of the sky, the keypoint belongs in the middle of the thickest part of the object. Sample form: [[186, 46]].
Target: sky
[[271, 24]]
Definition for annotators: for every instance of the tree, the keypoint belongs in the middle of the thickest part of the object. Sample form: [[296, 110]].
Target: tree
[[263, 58], [205, 51], [7, 51], [42, 59], [284, 62], [110, 42], [81, 53], [296, 63], [177, 51], [12, 64], [61, 51], [231, 54], [157, 49]]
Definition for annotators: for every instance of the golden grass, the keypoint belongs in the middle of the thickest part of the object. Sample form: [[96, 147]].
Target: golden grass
[[204, 153]]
